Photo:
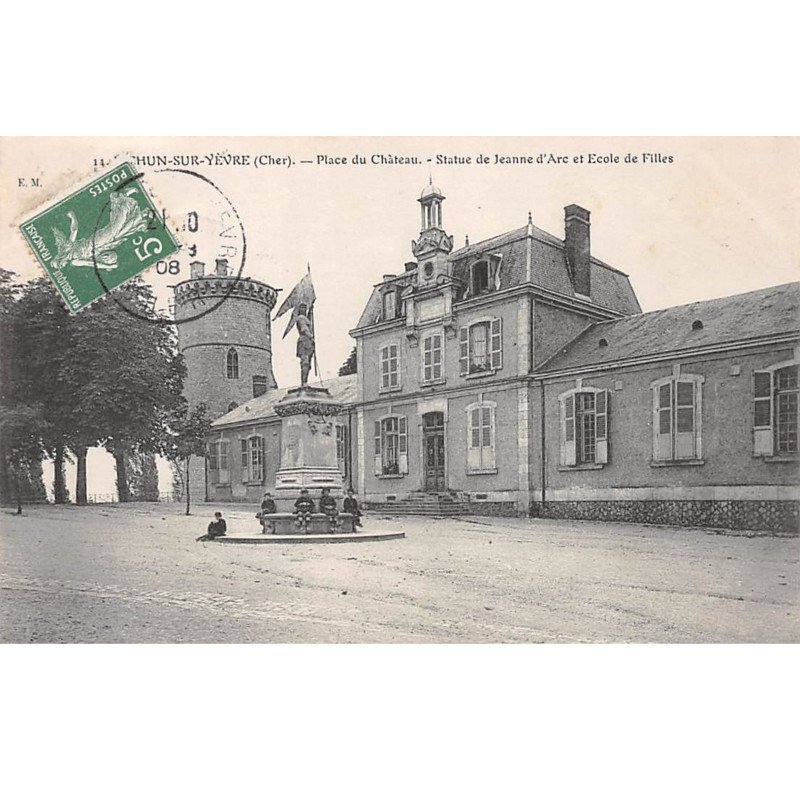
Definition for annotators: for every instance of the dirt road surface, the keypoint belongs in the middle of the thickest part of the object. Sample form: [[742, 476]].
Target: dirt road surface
[[135, 574]]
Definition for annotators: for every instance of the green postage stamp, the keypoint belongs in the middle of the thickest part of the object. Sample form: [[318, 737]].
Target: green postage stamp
[[99, 236]]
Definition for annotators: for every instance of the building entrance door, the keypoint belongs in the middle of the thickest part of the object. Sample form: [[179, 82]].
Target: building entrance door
[[433, 439]]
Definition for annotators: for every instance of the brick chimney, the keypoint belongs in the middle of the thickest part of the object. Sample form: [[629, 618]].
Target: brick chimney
[[197, 269], [222, 267], [576, 247]]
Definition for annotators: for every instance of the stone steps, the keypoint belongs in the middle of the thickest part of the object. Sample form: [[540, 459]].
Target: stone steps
[[423, 504]]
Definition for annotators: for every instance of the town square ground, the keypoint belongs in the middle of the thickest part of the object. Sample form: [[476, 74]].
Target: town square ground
[[136, 574]]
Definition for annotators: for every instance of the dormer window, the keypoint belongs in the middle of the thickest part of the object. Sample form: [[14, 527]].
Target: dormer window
[[391, 304], [479, 278]]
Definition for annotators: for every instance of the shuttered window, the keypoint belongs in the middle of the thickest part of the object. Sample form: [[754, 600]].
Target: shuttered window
[[584, 427], [481, 437], [218, 462], [481, 347], [391, 446], [252, 459], [677, 418], [390, 367], [432, 358]]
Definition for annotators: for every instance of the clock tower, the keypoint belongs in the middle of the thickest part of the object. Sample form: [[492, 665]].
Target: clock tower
[[434, 245]]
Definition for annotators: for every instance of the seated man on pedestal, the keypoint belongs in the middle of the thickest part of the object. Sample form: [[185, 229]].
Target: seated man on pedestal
[[303, 509], [267, 507], [350, 506], [327, 505]]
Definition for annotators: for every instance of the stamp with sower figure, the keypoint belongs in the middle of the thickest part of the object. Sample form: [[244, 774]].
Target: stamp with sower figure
[[99, 236]]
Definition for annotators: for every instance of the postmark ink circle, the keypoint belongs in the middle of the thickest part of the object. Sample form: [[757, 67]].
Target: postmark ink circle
[[233, 281]]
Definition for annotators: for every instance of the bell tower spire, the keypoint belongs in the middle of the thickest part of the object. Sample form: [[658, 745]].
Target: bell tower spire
[[432, 237]]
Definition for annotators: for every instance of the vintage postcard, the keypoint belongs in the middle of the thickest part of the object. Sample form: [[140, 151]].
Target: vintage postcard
[[400, 390]]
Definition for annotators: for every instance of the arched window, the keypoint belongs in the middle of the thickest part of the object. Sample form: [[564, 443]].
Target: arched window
[[232, 363], [233, 405]]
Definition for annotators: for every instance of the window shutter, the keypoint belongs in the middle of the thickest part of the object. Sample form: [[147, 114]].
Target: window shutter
[[763, 413], [601, 426], [568, 450], [384, 368], [258, 466], [402, 445], [427, 358], [496, 347], [378, 467], [244, 460], [474, 438], [662, 422], [686, 424], [463, 351], [437, 357], [488, 460], [398, 366], [224, 475]]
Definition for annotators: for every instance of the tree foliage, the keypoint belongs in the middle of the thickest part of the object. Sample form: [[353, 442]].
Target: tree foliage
[[99, 377], [190, 429]]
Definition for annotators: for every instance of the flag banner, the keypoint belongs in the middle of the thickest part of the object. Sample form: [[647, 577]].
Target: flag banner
[[302, 294]]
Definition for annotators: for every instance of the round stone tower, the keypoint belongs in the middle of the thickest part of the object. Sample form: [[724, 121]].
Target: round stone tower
[[226, 342]]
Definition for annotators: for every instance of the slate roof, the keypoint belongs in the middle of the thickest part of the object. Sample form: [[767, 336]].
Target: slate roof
[[610, 288], [753, 315], [342, 389]]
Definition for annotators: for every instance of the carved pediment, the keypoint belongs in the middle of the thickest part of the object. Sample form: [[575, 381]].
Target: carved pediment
[[431, 241]]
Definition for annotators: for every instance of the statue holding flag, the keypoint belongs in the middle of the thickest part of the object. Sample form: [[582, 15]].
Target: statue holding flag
[[301, 301], [305, 342]]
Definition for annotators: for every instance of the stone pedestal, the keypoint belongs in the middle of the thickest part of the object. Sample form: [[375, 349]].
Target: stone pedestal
[[308, 447]]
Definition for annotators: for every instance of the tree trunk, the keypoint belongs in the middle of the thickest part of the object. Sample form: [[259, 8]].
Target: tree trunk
[[80, 478], [187, 485], [123, 491], [19, 491], [60, 495]]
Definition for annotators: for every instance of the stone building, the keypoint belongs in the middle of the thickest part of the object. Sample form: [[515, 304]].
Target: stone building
[[684, 416], [518, 376], [245, 446], [449, 409], [225, 336]]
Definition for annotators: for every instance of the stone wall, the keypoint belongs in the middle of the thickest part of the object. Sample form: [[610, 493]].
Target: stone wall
[[488, 508], [779, 516]]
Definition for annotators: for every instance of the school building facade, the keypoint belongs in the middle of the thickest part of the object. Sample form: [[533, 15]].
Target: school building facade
[[518, 376]]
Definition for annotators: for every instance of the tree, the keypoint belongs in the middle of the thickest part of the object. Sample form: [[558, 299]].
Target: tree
[[190, 429], [46, 336], [350, 367], [20, 449], [22, 429], [127, 377]]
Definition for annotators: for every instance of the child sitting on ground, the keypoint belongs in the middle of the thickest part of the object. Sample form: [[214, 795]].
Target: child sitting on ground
[[216, 529]]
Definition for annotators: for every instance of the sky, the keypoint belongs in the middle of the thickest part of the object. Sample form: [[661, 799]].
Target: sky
[[696, 218]]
